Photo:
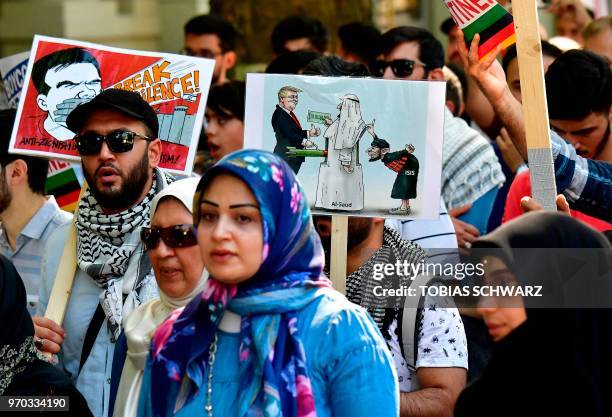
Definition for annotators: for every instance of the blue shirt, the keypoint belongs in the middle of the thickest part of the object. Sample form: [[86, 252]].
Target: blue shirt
[[94, 379], [586, 183], [29, 246], [350, 368]]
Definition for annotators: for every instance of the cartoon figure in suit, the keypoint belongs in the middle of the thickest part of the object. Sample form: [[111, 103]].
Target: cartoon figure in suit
[[288, 130]]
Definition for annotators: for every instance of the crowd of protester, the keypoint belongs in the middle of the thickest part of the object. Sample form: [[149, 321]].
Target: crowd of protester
[[210, 295]]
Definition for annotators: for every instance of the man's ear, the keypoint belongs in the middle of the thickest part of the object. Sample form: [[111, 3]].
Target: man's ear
[[377, 220], [436, 74], [41, 100], [155, 151], [451, 106], [229, 59], [16, 172]]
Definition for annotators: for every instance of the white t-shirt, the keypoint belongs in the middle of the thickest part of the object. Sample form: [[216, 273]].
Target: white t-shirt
[[441, 343]]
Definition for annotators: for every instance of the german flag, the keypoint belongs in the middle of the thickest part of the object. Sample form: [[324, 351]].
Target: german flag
[[63, 184], [486, 17]]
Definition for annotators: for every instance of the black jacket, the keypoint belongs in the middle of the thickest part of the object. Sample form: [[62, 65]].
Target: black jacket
[[287, 132]]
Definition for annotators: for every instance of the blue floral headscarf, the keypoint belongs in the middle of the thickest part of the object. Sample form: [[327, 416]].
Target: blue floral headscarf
[[273, 368]]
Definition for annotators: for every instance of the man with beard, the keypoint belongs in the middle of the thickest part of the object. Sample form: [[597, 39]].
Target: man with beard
[[432, 377], [28, 216], [120, 150]]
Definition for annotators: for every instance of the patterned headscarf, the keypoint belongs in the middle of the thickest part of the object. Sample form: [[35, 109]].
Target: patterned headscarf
[[273, 370]]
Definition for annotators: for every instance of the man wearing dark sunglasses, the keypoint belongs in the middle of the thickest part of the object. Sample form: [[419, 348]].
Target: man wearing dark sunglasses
[[471, 173], [116, 136]]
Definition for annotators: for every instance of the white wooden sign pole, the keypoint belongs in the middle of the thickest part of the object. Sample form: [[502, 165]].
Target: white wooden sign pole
[[339, 237], [535, 110], [64, 278]]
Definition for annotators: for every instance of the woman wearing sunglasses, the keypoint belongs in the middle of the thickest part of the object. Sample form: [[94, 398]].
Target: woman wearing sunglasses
[[268, 336], [180, 275]]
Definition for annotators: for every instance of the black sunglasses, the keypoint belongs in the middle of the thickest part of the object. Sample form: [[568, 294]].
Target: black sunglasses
[[119, 141], [177, 236], [401, 68]]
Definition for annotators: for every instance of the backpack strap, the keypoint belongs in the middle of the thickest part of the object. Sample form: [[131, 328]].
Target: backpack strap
[[412, 305], [92, 333]]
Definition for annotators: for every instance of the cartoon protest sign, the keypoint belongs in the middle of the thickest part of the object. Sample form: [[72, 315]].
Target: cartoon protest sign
[[13, 71], [365, 147], [62, 74]]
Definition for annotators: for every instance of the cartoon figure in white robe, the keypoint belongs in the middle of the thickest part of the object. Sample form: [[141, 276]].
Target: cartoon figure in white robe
[[340, 185]]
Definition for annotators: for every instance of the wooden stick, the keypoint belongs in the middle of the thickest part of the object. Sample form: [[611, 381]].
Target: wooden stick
[[339, 239], [62, 286], [64, 277], [535, 109]]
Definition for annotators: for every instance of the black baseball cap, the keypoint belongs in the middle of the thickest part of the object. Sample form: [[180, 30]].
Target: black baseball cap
[[447, 25], [127, 102]]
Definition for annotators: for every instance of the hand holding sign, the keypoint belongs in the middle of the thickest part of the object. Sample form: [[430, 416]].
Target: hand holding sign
[[488, 73], [492, 81]]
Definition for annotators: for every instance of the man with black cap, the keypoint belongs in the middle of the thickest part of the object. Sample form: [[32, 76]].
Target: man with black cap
[[116, 136]]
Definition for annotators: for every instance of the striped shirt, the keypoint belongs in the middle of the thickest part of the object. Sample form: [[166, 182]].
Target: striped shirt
[[470, 167], [30, 244], [586, 183]]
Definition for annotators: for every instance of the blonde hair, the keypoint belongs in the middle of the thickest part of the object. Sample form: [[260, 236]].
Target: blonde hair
[[283, 92]]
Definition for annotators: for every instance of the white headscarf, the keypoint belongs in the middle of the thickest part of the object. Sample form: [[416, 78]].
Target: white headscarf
[[142, 322], [350, 123]]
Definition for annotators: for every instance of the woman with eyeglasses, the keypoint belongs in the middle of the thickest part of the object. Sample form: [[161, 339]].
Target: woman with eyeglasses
[[268, 336], [179, 271]]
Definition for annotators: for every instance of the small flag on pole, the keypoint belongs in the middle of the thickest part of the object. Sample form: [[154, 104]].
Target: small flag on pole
[[63, 184], [486, 17]]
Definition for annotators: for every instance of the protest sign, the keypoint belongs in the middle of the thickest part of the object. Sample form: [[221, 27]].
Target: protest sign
[[13, 70], [486, 17], [62, 181], [61, 74], [344, 170]]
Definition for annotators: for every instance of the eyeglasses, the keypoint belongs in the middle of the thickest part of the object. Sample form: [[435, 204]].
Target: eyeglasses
[[177, 236], [203, 53], [401, 68], [118, 141]]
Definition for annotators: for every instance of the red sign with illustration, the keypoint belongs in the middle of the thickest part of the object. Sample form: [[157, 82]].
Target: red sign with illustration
[[62, 74]]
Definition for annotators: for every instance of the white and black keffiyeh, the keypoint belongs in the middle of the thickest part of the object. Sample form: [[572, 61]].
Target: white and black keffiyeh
[[360, 284], [109, 250]]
